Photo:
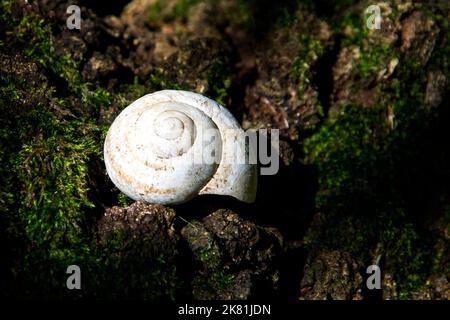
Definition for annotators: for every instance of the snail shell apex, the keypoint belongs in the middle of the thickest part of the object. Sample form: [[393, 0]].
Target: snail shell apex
[[150, 146]]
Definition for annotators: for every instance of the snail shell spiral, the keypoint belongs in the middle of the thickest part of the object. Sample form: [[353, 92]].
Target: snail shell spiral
[[152, 150]]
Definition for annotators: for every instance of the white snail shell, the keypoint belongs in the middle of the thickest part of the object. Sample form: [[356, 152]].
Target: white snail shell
[[149, 149]]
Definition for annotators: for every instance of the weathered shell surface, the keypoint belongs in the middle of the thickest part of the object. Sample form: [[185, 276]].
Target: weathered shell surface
[[150, 146]]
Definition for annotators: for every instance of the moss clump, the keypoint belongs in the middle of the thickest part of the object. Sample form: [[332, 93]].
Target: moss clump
[[132, 269], [310, 51], [374, 58], [47, 164], [375, 170], [219, 82], [123, 200], [159, 11], [214, 279], [181, 8], [127, 93], [194, 70], [154, 13], [160, 81], [53, 176], [34, 35], [359, 195], [345, 149]]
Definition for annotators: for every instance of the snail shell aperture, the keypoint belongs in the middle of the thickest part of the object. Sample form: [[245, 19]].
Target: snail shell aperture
[[152, 150]]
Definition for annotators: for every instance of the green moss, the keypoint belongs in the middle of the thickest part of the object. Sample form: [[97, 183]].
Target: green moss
[[211, 278], [371, 174], [210, 258], [181, 8], [374, 53], [409, 255], [358, 195], [344, 149], [347, 154], [51, 171], [373, 59], [219, 82], [132, 268], [160, 11], [127, 93], [213, 283], [47, 206], [160, 82], [123, 200], [214, 278], [218, 77], [154, 13], [34, 35], [311, 50], [353, 22]]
